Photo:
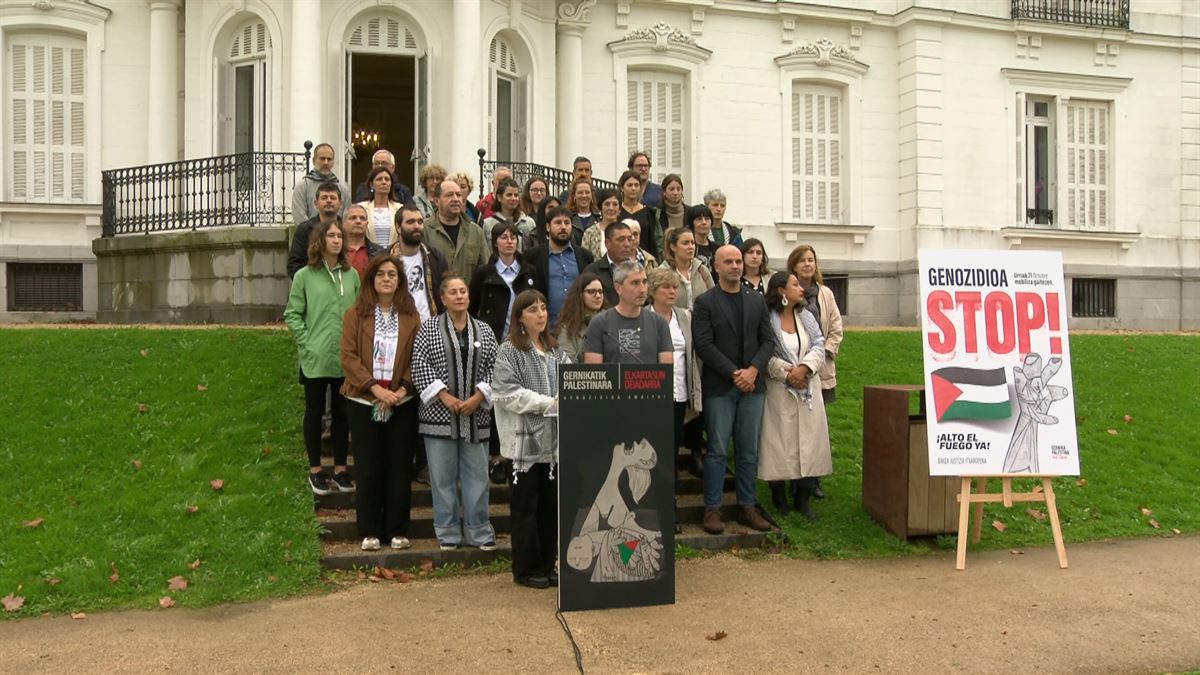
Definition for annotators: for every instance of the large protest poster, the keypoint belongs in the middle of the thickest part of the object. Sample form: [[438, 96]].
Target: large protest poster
[[999, 393], [616, 484]]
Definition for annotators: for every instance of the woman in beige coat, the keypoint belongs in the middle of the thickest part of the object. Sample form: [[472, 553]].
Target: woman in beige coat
[[794, 443]]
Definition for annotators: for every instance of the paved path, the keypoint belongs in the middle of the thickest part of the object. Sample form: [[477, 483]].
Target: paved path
[[1122, 606]]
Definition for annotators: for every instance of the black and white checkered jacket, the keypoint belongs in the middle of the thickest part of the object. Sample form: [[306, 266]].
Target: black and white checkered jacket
[[437, 364]]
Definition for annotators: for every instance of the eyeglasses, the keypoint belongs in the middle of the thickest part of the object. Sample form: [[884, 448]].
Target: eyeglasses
[[594, 291], [537, 190]]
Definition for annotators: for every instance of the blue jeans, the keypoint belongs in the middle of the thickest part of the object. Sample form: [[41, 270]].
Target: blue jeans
[[453, 461], [739, 416]]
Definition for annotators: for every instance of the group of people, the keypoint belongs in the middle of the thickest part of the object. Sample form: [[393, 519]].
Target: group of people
[[433, 331]]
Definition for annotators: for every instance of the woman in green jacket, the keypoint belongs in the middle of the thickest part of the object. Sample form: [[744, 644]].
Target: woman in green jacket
[[322, 291]]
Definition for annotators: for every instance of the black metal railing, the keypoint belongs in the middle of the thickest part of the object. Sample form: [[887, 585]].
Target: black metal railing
[[250, 188], [557, 180], [1105, 13]]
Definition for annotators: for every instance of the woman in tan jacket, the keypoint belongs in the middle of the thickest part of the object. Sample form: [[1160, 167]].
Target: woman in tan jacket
[[820, 301], [381, 209], [376, 353]]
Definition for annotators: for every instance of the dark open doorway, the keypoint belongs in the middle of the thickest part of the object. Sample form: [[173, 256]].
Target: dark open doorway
[[382, 96]]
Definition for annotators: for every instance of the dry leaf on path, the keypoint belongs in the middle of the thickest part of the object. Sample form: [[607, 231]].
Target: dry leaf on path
[[1016, 551], [177, 583], [1154, 524], [12, 602], [116, 575], [142, 408], [1146, 511], [426, 565], [36, 522], [202, 387], [217, 484], [384, 573], [403, 577], [1081, 482], [78, 615], [1000, 527], [1112, 432], [719, 635], [194, 565], [1036, 514], [166, 602]]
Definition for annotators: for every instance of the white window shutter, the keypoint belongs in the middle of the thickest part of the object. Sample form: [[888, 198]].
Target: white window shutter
[[1019, 117], [19, 95], [657, 120], [1086, 145], [520, 120], [817, 144], [47, 142]]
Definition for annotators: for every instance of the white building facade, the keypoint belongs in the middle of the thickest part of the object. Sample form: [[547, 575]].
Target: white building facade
[[867, 128]]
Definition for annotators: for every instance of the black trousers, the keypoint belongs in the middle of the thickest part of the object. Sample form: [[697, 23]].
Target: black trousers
[[383, 469], [533, 505], [314, 410]]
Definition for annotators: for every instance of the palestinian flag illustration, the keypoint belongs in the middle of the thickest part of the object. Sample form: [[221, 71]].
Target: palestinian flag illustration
[[627, 548], [970, 394]]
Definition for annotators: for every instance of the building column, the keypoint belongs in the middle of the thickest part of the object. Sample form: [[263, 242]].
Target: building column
[[305, 107], [162, 109], [467, 99], [572, 20]]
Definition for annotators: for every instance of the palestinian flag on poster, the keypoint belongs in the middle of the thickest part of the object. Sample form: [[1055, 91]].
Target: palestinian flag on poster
[[970, 394]]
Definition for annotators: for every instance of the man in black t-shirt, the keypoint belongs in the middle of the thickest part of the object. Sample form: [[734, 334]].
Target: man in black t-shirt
[[628, 333]]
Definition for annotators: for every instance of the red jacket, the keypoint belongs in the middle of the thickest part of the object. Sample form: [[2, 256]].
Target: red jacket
[[486, 206]]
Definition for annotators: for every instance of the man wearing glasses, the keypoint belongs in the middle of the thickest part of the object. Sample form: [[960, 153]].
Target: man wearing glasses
[[639, 163]]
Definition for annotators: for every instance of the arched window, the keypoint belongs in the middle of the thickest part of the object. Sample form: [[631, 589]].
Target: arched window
[[242, 89], [507, 111]]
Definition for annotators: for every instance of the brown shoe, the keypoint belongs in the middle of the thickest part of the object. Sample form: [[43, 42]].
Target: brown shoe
[[751, 518], [712, 521]]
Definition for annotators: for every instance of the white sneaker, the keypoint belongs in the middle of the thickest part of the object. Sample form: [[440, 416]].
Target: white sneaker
[[400, 542], [370, 544]]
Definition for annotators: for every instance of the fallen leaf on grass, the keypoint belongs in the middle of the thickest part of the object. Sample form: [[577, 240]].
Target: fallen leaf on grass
[[53, 581], [1128, 419], [166, 602], [177, 583], [192, 508], [1176, 530], [144, 352], [116, 575], [12, 602], [272, 578], [142, 408], [1037, 489], [719, 635], [1146, 511], [195, 565], [137, 464], [1154, 524], [36, 522], [403, 577], [1016, 551], [217, 484], [78, 616], [426, 566], [1081, 482], [384, 573], [1000, 527], [1036, 514], [201, 387], [266, 451], [1112, 432]]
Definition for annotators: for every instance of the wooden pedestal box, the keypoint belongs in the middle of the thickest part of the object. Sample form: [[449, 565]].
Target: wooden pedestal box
[[897, 489]]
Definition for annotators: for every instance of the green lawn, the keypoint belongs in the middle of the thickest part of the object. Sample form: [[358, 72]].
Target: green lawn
[[1153, 462], [72, 432], [72, 440]]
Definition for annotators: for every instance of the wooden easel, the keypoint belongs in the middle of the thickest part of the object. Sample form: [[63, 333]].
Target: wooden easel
[[1007, 497]]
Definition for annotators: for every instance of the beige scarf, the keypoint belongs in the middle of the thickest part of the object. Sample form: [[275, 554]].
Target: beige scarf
[[674, 214]]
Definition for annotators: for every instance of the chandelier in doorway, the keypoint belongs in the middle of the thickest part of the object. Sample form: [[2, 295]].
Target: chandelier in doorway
[[364, 139]]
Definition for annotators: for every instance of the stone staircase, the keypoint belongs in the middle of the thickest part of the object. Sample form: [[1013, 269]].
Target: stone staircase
[[340, 540]]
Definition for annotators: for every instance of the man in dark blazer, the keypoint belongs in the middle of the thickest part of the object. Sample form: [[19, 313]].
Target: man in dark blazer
[[734, 340], [621, 245], [569, 261]]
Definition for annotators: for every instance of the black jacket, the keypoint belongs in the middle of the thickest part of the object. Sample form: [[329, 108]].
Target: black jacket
[[298, 253], [538, 259], [490, 295], [400, 192], [715, 337], [603, 269]]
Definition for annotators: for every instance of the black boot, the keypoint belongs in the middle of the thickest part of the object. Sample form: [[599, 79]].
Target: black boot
[[779, 497], [817, 491], [802, 492]]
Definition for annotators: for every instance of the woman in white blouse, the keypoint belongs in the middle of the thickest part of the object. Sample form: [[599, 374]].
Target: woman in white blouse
[[381, 209]]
